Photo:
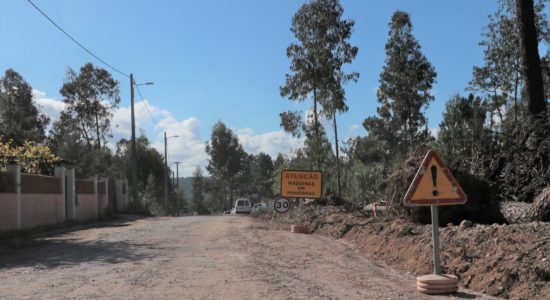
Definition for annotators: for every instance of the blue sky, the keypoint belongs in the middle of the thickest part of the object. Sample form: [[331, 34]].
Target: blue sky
[[225, 60]]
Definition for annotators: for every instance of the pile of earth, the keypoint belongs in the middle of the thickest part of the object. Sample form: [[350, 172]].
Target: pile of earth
[[509, 261]]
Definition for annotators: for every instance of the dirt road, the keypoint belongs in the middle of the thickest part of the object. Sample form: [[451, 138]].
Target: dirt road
[[223, 257]]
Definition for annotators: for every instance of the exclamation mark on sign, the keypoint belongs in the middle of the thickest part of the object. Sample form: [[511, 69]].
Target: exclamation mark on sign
[[434, 180]]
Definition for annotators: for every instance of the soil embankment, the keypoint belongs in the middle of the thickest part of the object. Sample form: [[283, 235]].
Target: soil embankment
[[510, 261]]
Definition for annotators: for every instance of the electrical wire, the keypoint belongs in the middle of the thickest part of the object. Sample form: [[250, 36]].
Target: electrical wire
[[147, 107], [99, 59], [76, 42]]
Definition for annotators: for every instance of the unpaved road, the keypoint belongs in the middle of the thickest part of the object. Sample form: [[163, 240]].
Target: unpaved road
[[223, 257]]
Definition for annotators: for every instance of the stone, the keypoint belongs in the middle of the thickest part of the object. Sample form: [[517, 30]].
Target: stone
[[466, 224]]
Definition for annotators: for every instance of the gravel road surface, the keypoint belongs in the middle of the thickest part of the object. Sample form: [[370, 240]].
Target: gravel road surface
[[219, 257]]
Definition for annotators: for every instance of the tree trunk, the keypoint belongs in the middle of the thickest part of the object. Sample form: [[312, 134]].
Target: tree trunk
[[337, 153], [224, 197], [516, 87], [532, 75], [316, 126], [85, 134], [97, 132]]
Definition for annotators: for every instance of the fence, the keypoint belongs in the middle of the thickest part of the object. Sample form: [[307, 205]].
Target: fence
[[28, 200]]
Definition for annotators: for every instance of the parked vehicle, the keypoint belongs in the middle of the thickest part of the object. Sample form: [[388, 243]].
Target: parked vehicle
[[260, 205], [242, 206], [186, 213]]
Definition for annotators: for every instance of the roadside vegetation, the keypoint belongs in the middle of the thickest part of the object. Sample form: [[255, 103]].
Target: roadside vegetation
[[78, 138], [495, 135]]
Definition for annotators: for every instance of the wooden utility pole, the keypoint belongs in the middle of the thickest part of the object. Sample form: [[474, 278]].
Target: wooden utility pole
[[177, 174], [165, 173], [134, 157], [166, 170]]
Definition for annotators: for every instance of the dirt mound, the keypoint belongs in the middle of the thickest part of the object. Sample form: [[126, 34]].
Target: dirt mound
[[481, 207], [508, 261]]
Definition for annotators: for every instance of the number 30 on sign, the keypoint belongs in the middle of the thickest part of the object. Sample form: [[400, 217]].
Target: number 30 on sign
[[281, 205]]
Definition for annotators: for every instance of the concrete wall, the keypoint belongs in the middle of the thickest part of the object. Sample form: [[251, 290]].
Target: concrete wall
[[36, 210], [42, 209], [121, 198], [37, 200], [8, 211], [102, 197], [86, 207], [103, 205]]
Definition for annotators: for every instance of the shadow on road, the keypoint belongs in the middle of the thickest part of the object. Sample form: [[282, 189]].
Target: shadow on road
[[51, 248], [57, 253]]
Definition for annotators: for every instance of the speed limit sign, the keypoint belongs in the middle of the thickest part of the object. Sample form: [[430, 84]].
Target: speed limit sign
[[281, 205]]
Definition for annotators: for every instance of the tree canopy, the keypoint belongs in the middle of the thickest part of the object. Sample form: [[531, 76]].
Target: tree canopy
[[20, 119], [91, 96]]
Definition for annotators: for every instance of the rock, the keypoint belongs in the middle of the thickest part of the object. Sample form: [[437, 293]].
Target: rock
[[540, 209], [466, 224], [514, 212]]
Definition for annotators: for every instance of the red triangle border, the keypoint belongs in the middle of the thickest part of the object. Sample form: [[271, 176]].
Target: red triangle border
[[432, 154]]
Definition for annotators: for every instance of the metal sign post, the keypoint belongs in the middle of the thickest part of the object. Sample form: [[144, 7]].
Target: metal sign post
[[281, 205], [434, 185], [300, 210], [435, 239], [300, 184]]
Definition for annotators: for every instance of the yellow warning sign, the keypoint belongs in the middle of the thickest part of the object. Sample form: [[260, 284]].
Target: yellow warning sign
[[434, 184], [301, 184]]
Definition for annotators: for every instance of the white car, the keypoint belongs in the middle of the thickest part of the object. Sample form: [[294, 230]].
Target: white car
[[242, 206], [260, 205]]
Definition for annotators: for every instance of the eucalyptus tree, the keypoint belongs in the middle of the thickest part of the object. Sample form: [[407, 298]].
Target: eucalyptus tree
[[226, 158], [500, 75], [322, 48], [20, 119], [262, 174], [199, 186], [91, 96]]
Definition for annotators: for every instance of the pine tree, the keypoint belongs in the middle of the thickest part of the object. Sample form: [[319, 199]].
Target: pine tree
[[404, 91], [463, 137]]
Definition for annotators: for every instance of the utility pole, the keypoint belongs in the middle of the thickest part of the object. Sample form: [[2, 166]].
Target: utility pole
[[177, 174], [166, 170], [165, 173], [133, 162], [134, 157]]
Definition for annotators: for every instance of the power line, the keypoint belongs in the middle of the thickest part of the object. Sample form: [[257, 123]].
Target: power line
[[76, 42], [147, 107]]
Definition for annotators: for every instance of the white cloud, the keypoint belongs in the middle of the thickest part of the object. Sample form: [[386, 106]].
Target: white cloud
[[48, 106], [272, 143], [188, 148]]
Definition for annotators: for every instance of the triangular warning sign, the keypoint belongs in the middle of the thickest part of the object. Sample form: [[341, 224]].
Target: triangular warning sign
[[433, 184]]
